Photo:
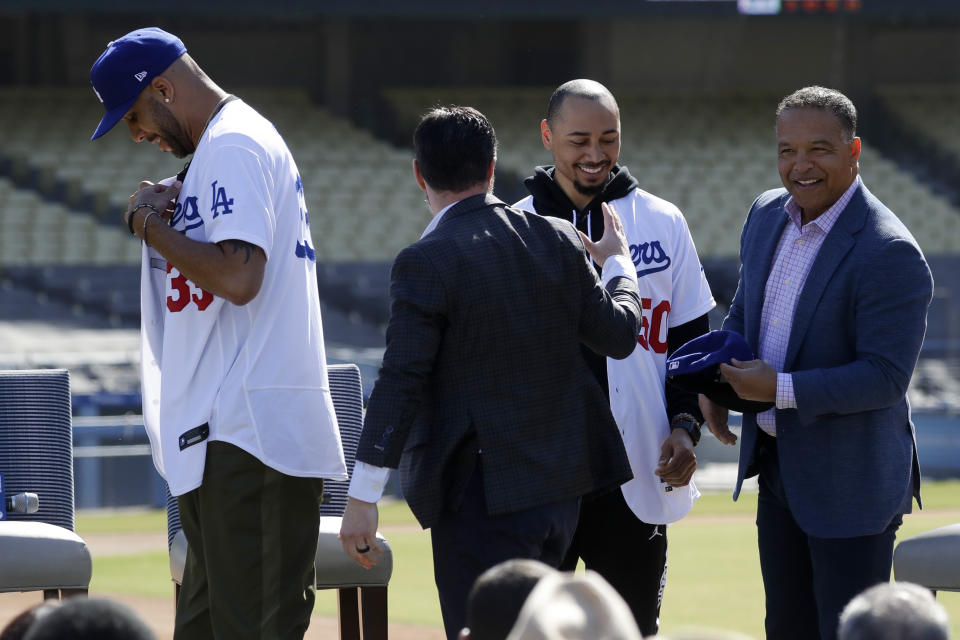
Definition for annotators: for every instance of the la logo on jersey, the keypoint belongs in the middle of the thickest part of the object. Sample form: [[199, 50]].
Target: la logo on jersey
[[646, 254], [221, 203]]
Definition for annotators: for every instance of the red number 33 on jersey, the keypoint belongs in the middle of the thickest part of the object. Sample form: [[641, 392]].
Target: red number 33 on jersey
[[183, 292]]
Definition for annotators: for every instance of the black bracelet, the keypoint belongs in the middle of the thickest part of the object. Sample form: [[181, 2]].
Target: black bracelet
[[689, 424], [135, 209]]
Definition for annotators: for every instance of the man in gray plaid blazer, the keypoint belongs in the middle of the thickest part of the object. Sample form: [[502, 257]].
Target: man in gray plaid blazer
[[484, 400]]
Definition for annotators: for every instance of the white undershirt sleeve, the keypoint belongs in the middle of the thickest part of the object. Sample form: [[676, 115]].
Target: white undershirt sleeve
[[618, 265], [368, 482]]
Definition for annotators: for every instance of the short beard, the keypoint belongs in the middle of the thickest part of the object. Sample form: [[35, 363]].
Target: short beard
[[170, 130], [589, 191]]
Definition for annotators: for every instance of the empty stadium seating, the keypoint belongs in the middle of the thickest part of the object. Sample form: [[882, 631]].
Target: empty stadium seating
[[709, 154], [360, 192], [928, 110], [36, 231]]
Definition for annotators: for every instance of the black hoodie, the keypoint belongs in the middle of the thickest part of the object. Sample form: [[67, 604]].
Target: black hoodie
[[550, 200]]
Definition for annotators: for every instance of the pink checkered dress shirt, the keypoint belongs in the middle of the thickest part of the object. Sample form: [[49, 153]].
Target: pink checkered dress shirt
[[792, 262]]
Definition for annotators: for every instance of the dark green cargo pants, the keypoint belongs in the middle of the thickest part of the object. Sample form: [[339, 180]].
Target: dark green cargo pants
[[252, 536]]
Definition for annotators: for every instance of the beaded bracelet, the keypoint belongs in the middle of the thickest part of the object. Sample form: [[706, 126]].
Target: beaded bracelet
[[137, 208], [143, 231]]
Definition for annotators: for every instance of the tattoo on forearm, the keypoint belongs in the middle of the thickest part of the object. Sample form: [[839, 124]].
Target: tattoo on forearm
[[246, 247]]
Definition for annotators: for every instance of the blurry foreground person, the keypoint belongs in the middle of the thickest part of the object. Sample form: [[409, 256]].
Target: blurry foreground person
[[498, 595], [90, 619], [567, 606], [894, 611], [17, 628]]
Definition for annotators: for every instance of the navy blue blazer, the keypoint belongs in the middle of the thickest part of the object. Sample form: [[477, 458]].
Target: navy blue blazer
[[848, 451], [483, 352]]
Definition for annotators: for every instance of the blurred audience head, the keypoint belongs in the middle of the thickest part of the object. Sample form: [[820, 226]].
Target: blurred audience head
[[90, 619], [497, 597], [17, 628], [567, 606], [894, 611]]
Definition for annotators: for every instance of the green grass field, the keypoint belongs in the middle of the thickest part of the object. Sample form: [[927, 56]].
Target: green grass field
[[713, 577]]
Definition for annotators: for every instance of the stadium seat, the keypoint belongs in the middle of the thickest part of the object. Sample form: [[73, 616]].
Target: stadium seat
[[930, 559], [361, 593], [41, 551]]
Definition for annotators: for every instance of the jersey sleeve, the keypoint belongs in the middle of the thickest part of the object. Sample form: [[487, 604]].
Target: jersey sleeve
[[237, 198], [691, 292]]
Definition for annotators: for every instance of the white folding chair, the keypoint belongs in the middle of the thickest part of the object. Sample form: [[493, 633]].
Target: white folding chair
[[930, 559], [40, 550]]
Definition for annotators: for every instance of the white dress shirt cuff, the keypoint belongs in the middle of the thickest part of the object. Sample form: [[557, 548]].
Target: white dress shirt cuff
[[618, 265], [785, 396], [368, 482]]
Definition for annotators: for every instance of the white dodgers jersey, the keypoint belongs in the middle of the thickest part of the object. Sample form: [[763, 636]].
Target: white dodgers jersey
[[254, 374], [673, 291]]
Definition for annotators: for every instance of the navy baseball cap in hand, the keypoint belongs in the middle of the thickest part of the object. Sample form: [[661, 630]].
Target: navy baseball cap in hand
[[696, 367], [127, 67]]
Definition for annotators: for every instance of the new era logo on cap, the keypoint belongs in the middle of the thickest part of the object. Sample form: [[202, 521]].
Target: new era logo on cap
[[696, 366], [127, 66]]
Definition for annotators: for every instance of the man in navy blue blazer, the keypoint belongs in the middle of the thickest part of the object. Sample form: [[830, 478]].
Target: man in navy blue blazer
[[832, 298]]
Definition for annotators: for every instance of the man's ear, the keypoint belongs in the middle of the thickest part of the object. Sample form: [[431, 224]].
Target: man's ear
[[546, 136], [163, 89], [419, 176], [855, 150]]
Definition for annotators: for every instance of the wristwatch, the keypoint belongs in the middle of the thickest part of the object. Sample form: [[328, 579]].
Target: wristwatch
[[689, 424]]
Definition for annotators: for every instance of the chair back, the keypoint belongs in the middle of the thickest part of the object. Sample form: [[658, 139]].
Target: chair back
[[347, 392], [36, 442], [173, 517]]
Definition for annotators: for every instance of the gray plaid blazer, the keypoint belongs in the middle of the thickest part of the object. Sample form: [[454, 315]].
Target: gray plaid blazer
[[483, 352]]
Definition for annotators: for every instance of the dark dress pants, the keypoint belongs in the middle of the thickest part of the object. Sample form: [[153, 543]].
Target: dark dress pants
[[468, 541], [809, 580], [252, 533]]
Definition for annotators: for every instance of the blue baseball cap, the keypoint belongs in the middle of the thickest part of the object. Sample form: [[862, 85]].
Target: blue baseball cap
[[695, 366], [127, 67]]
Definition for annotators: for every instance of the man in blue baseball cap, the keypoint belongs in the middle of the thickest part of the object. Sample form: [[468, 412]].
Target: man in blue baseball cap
[[127, 67], [236, 399]]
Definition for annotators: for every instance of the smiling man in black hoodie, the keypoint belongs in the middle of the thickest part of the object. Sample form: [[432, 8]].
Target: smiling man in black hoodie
[[660, 424]]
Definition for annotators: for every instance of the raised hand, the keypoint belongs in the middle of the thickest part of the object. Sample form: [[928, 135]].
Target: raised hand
[[614, 240]]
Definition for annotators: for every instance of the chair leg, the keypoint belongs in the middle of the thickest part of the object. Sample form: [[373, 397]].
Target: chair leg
[[73, 593], [348, 607], [373, 612]]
